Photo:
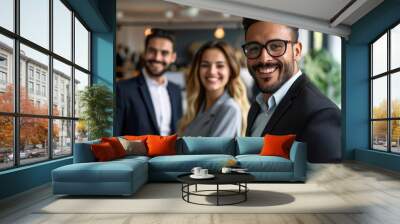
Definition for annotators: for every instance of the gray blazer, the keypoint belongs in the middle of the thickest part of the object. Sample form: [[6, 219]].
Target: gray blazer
[[223, 119]]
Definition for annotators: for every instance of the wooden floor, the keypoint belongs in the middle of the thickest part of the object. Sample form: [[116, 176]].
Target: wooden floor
[[377, 188]]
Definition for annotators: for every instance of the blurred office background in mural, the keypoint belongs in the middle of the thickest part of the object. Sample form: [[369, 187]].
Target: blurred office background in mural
[[192, 27]]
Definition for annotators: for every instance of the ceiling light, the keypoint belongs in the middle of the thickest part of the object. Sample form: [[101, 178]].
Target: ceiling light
[[226, 15], [190, 12], [169, 14], [219, 33]]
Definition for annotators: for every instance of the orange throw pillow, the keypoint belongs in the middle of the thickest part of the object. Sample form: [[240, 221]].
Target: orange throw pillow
[[161, 145], [134, 137], [277, 145], [103, 151], [116, 145]]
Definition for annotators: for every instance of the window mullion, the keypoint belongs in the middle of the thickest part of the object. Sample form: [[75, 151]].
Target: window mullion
[[73, 83], [50, 81], [16, 84], [371, 89]]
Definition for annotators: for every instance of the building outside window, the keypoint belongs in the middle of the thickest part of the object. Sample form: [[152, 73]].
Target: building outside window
[[3, 78], [43, 78], [30, 72], [43, 90], [385, 94], [3, 71], [30, 87], [58, 125], [37, 75], [3, 61], [37, 89]]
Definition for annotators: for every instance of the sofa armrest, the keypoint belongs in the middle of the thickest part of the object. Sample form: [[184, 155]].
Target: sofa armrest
[[83, 152], [298, 155]]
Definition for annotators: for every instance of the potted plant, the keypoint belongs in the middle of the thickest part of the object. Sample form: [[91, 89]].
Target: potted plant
[[324, 72], [96, 102]]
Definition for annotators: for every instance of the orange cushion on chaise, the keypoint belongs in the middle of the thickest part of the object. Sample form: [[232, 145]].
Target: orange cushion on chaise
[[103, 152], [117, 146]]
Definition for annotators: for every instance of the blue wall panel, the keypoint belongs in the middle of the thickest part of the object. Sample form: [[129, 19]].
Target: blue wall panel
[[355, 76], [24, 178]]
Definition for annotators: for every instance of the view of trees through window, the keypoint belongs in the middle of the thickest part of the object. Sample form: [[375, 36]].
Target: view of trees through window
[[40, 82], [385, 92]]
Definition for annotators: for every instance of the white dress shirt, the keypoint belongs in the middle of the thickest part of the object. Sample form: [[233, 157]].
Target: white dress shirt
[[268, 108], [161, 103]]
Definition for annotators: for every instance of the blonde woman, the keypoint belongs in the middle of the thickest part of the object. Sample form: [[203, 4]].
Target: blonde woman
[[216, 96]]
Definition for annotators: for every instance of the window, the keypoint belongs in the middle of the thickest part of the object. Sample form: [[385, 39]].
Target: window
[[3, 72], [43, 90], [40, 82], [7, 14], [385, 94], [43, 77], [37, 75], [7, 88], [30, 72], [62, 74], [81, 45], [35, 22], [30, 87], [38, 89], [3, 78], [3, 61], [62, 30]]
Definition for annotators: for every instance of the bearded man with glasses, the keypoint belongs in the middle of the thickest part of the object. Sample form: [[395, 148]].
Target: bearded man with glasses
[[288, 103]]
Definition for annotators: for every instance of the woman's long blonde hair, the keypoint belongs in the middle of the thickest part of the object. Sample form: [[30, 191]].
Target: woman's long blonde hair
[[195, 92]]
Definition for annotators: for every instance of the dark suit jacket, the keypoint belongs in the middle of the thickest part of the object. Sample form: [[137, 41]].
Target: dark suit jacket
[[135, 111], [309, 114]]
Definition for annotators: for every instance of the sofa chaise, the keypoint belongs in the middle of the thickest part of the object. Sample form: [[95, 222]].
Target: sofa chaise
[[126, 175]]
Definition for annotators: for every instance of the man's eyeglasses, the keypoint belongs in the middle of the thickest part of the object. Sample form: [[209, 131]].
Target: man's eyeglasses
[[275, 48]]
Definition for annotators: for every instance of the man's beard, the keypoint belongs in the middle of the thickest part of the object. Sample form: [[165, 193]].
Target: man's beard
[[166, 67], [286, 71]]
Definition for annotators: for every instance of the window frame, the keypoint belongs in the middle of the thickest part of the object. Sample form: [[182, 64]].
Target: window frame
[[388, 74], [51, 118]]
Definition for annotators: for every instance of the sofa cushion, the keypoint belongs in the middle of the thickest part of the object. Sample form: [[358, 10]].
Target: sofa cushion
[[161, 145], [116, 145], [185, 163], [206, 145], [136, 137], [249, 145], [103, 152], [277, 145], [111, 171], [257, 163], [134, 147]]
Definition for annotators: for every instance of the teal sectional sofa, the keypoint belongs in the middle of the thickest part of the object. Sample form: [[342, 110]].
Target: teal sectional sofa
[[125, 176]]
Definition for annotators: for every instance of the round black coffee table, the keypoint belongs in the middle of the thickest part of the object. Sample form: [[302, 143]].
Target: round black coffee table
[[238, 179]]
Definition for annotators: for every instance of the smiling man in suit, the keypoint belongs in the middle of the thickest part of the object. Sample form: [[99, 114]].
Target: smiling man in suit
[[149, 103], [288, 103]]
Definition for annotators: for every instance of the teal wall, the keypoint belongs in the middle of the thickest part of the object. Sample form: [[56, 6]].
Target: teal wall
[[24, 178], [99, 16], [356, 99]]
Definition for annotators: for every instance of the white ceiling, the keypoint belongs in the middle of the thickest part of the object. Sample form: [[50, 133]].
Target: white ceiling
[[152, 13], [327, 16]]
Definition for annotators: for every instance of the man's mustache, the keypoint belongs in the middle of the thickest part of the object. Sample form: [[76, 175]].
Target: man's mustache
[[157, 62], [267, 65]]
